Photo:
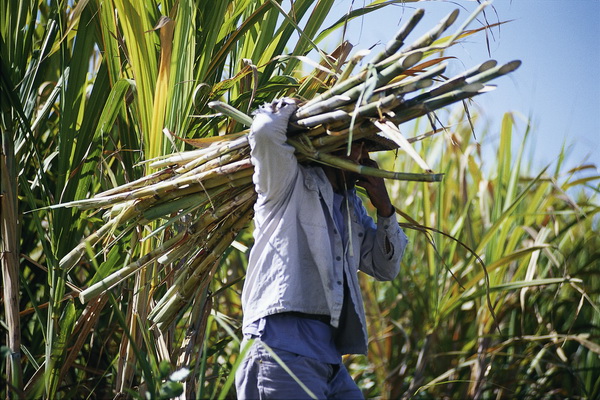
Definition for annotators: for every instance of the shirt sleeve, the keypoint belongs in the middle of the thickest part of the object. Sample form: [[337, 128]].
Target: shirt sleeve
[[383, 246], [275, 165]]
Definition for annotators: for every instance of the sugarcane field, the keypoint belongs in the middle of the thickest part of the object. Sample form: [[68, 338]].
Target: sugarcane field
[[132, 202]]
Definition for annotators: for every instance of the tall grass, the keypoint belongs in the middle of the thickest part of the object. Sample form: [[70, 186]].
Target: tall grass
[[434, 334], [87, 92]]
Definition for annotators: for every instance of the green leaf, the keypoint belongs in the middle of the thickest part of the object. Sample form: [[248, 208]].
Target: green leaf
[[170, 389], [164, 367]]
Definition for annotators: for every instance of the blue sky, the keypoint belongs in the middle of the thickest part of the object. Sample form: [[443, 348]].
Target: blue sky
[[558, 84]]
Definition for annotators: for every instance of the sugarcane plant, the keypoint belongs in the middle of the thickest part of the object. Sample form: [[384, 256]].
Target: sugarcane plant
[[197, 201]]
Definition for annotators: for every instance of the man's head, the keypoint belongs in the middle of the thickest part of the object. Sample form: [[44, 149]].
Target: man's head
[[342, 180], [359, 150]]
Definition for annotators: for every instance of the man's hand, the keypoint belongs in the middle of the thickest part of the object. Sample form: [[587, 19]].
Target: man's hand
[[376, 189], [274, 117]]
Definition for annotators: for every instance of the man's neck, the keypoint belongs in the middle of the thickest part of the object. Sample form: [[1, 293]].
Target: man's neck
[[336, 179]]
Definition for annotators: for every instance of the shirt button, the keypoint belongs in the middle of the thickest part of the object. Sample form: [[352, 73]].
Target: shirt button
[[386, 226], [335, 231], [360, 234], [339, 282], [338, 258]]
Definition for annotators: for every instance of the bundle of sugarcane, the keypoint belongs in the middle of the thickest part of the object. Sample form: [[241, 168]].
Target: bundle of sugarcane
[[199, 200]]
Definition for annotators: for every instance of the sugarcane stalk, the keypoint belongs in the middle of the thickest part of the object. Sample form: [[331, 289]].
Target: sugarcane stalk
[[354, 60], [232, 112], [235, 144], [344, 115], [179, 159], [495, 72], [461, 28], [380, 79], [221, 161], [73, 257], [426, 76], [179, 214], [208, 242], [482, 77], [196, 197], [352, 87], [120, 275], [228, 175], [406, 86], [212, 216], [165, 312], [461, 80], [394, 45], [199, 198], [155, 177], [342, 163], [364, 170], [430, 105], [431, 36], [157, 206], [435, 48], [334, 140], [208, 218], [423, 44], [179, 252], [169, 250], [162, 187], [417, 109], [134, 209], [216, 148]]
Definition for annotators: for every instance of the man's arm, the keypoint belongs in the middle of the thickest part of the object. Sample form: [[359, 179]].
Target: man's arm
[[274, 161], [384, 246]]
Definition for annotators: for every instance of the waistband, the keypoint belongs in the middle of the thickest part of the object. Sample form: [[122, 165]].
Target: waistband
[[316, 317]]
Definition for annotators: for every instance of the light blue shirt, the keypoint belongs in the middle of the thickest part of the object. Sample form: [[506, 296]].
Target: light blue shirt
[[299, 260], [300, 335]]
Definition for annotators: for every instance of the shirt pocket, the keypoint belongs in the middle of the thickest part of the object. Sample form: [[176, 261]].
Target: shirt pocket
[[310, 207], [358, 229]]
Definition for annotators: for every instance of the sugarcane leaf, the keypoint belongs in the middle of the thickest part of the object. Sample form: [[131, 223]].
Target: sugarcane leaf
[[225, 85], [220, 56], [157, 143], [316, 18], [107, 42], [141, 44], [307, 60], [108, 265], [73, 20], [277, 85], [581, 181], [422, 67], [287, 369], [67, 321], [391, 131], [519, 285], [230, 111], [469, 32], [231, 378], [91, 140], [358, 12]]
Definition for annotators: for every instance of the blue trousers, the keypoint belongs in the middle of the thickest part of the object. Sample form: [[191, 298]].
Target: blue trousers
[[260, 376]]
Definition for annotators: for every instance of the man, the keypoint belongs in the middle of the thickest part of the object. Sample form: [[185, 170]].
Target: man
[[301, 297]]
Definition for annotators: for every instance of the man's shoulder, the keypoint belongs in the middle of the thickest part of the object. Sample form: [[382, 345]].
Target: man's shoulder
[[313, 175]]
